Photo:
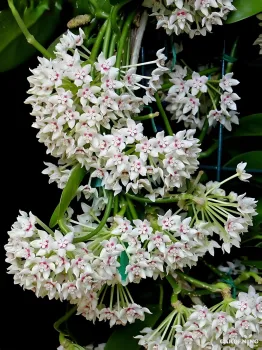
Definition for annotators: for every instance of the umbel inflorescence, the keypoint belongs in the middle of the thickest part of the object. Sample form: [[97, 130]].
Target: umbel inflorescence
[[87, 110]]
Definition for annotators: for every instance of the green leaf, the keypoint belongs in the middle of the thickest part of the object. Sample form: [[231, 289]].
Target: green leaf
[[68, 193], [254, 161], [253, 263], [123, 337], [244, 9], [249, 126], [14, 49]]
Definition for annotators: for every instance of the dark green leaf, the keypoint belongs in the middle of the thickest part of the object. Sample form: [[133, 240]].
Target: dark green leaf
[[249, 126], [254, 161], [123, 337], [244, 9], [68, 193], [14, 49], [253, 263]]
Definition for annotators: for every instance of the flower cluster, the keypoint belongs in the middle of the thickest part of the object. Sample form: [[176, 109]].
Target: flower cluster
[[215, 328], [187, 91], [194, 17]]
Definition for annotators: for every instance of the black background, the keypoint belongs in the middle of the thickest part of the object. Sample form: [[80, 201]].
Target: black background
[[26, 322]]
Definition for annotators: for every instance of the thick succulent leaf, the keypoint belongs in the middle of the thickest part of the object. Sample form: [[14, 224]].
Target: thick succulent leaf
[[245, 9], [68, 193], [249, 126]]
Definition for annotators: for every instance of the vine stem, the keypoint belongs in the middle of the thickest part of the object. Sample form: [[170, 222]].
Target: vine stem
[[123, 38], [64, 318], [163, 115], [102, 222], [139, 38], [98, 43], [197, 283], [131, 208], [29, 37]]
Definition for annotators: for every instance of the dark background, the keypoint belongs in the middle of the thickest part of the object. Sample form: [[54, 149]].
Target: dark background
[[26, 322]]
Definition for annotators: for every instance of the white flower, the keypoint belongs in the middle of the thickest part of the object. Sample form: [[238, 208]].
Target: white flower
[[44, 244], [63, 243], [227, 82], [197, 83], [104, 65], [158, 240], [228, 100], [242, 175]]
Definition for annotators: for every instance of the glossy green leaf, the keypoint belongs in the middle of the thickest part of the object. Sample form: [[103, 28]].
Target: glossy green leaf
[[244, 9], [253, 263], [123, 337], [249, 126], [68, 193], [14, 49], [254, 161]]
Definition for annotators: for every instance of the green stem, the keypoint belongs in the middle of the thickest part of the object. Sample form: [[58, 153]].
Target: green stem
[[98, 43], [102, 222], [114, 17], [215, 270], [173, 283], [131, 208], [88, 30], [44, 226], [29, 37], [197, 283], [203, 131], [63, 227], [116, 205], [112, 45], [163, 115], [232, 54], [161, 296], [247, 275], [106, 42], [209, 151], [209, 71], [122, 41], [64, 318], [146, 117]]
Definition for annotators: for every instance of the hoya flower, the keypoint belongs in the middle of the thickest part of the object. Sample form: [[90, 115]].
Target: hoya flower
[[246, 303], [44, 244], [103, 65], [197, 83], [63, 243], [242, 174], [227, 82]]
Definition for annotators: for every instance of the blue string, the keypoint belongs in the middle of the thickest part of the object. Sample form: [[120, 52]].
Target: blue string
[[231, 283]]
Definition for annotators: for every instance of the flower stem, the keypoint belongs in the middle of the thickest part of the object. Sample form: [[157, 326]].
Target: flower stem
[[146, 117], [209, 151], [29, 37], [63, 227], [163, 115], [102, 222], [44, 226]]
